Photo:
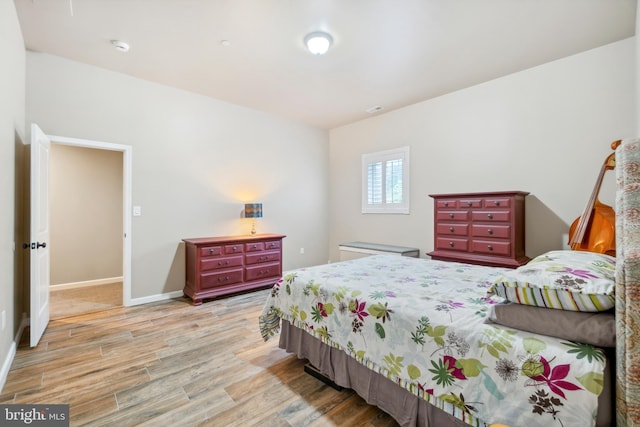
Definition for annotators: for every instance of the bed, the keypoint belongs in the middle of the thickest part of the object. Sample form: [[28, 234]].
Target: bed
[[437, 343]]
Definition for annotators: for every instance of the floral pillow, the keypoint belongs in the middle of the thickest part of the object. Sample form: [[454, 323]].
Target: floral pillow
[[566, 280]]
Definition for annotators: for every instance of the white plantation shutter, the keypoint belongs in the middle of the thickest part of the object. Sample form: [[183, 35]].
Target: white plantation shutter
[[394, 181], [385, 181], [374, 186]]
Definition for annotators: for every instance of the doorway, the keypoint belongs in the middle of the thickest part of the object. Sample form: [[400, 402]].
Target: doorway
[[91, 229], [86, 231]]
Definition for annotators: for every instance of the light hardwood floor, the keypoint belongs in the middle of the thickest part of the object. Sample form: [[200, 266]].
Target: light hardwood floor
[[85, 299], [173, 364]]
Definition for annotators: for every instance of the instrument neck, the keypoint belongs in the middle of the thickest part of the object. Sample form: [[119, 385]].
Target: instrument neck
[[578, 237]]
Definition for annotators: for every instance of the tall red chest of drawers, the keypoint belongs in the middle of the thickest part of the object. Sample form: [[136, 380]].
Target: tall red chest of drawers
[[217, 266], [480, 228]]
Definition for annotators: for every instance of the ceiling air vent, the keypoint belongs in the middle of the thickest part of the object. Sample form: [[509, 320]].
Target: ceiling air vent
[[374, 109]]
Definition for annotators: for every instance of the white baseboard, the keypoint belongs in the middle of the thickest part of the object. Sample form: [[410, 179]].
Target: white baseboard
[[154, 298], [6, 365], [86, 283]]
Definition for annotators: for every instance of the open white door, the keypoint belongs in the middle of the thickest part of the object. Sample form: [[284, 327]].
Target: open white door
[[40, 150]]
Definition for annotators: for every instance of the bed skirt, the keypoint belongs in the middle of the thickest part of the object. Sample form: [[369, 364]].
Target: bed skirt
[[406, 408]]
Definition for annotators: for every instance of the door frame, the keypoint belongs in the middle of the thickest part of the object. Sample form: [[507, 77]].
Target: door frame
[[127, 152]]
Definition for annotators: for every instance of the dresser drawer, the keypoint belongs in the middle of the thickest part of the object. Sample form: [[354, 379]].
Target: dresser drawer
[[491, 247], [212, 280], [452, 244], [272, 244], [453, 229], [504, 216], [254, 247], [470, 203], [497, 231], [233, 249], [217, 263], [447, 204], [261, 271], [497, 202], [261, 257], [452, 216], [211, 251]]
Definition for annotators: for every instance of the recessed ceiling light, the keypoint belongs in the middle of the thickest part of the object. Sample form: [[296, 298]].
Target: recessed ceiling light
[[120, 45], [374, 109], [225, 43]]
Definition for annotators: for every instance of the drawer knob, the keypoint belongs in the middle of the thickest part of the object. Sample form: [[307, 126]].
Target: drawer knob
[[451, 244], [235, 249], [255, 246], [490, 216], [489, 231], [446, 204], [451, 229], [223, 279], [451, 215], [211, 251], [490, 247], [497, 202], [468, 203]]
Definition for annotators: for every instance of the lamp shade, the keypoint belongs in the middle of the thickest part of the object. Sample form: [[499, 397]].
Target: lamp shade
[[253, 210]]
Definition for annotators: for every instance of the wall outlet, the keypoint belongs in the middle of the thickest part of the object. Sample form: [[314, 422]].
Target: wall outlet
[[301, 251], [4, 319]]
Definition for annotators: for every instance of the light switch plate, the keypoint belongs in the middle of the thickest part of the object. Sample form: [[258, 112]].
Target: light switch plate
[[137, 211]]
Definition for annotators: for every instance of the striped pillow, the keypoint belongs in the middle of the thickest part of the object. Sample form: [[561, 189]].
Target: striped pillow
[[566, 280]]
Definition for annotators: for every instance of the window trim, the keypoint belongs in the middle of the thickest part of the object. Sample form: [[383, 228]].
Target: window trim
[[383, 156]]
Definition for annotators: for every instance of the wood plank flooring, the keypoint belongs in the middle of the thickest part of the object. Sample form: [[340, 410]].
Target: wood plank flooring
[[173, 364], [74, 301]]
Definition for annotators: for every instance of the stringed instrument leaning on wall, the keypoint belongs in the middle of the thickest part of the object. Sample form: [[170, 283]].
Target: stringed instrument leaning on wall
[[595, 229]]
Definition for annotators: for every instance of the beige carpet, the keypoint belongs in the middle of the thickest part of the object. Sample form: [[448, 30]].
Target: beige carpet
[[70, 302]]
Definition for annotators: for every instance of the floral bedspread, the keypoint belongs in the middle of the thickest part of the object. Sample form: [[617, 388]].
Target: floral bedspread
[[422, 323]]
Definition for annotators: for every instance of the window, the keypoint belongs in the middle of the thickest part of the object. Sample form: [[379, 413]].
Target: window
[[385, 181]]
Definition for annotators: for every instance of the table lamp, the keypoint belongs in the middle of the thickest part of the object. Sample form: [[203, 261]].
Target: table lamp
[[253, 210]]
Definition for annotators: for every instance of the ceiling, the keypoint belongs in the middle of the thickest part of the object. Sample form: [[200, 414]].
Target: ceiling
[[388, 53]]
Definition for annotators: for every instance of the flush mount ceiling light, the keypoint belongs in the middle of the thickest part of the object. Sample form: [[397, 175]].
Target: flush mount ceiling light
[[318, 42], [120, 45]]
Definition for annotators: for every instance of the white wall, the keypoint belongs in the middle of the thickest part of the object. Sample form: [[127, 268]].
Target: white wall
[[545, 130], [12, 126], [196, 161]]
